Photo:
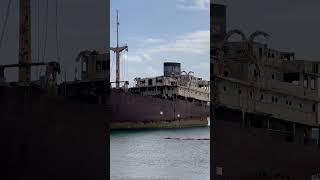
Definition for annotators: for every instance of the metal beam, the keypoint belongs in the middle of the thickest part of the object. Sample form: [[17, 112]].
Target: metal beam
[[25, 40], [25, 65], [118, 50]]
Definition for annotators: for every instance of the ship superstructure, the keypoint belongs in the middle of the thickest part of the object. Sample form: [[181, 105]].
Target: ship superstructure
[[174, 84], [266, 88], [94, 84]]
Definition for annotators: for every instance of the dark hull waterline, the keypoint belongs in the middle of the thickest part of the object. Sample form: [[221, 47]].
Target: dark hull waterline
[[128, 107]]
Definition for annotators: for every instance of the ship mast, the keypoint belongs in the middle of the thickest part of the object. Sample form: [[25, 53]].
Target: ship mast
[[118, 51], [25, 40]]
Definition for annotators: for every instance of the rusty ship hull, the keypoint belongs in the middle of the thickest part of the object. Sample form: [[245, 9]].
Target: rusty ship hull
[[135, 109]]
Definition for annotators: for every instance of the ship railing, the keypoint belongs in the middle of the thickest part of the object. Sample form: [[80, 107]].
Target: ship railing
[[124, 86]]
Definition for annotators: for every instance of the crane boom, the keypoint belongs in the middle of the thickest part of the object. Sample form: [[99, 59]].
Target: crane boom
[[118, 51]]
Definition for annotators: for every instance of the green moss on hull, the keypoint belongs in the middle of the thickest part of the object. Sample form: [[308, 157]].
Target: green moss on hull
[[182, 123]]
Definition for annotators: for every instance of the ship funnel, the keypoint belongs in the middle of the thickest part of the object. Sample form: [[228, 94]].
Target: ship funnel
[[171, 69]]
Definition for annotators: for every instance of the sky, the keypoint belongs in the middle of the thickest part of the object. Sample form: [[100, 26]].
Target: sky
[[156, 30], [82, 24], [292, 24], [161, 31]]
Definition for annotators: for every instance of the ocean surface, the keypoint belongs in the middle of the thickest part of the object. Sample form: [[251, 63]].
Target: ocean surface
[[150, 155]]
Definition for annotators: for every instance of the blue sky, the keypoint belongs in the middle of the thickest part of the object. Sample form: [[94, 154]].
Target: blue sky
[[161, 30]]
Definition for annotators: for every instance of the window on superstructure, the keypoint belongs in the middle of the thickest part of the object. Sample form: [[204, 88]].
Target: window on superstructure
[[315, 68], [98, 66], [150, 82], [104, 65], [300, 105], [224, 88], [260, 52], [255, 72], [261, 97], [272, 99], [312, 83], [276, 100], [239, 91], [305, 81], [250, 94], [84, 66], [272, 76], [226, 73], [292, 77], [272, 55], [314, 107]]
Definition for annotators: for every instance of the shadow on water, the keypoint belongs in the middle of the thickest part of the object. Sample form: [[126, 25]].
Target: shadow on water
[[136, 131]]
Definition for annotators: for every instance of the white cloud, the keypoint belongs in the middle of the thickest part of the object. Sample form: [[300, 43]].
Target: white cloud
[[146, 57], [193, 4], [194, 43], [203, 66], [152, 72], [154, 41], [137, 59], [190, 48], [132, 59]]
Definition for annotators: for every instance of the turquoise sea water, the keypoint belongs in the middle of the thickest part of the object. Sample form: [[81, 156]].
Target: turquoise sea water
[[146, 154]]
